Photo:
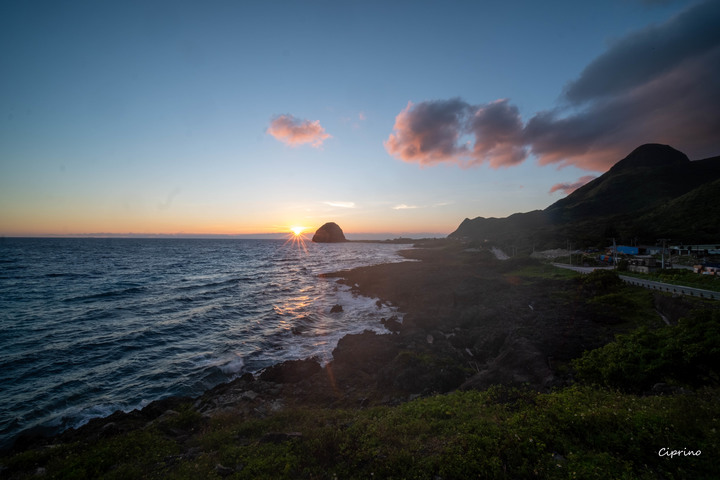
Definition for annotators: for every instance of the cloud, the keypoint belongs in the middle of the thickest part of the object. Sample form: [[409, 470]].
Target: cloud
[[293, 131], [341, 204], [432, 132], [648, 54], [568, 188], [402, 206], [660, 84]]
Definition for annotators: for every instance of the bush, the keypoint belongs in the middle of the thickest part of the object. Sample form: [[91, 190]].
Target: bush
[[686, 354]]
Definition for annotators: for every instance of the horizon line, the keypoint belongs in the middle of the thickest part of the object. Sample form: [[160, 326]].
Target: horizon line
[[259, 236]]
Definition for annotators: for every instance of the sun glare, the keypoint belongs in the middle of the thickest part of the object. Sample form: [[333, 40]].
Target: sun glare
[[297, 238]]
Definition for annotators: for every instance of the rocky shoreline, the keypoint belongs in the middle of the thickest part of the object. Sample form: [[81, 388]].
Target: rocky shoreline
[[468, 324]]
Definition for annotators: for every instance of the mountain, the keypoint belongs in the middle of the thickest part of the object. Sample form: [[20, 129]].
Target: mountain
[[654, 192]]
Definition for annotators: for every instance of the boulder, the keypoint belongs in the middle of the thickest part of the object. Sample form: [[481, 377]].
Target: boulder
[[329, 233]]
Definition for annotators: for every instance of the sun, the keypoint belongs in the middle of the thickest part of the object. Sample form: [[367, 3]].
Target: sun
[[296, 237]]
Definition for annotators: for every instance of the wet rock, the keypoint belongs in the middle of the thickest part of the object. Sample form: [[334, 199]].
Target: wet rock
[[392, 324], [336, 309]]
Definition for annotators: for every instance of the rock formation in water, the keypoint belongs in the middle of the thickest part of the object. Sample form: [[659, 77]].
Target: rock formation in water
[[329, 233]]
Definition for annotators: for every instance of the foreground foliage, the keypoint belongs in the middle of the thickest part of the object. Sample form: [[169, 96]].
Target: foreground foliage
[[578, 432], [686, 354]]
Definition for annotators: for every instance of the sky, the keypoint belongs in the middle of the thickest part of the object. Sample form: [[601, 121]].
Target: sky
[[390, 118]]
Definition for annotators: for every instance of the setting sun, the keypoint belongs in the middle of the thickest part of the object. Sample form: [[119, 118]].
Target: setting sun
[[297, 230]]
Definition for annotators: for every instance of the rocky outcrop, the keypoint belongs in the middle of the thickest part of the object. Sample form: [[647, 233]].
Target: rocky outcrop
[[291, 371], [329, 233]]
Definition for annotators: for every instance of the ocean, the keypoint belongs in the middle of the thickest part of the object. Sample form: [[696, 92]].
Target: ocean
[[89, 326]]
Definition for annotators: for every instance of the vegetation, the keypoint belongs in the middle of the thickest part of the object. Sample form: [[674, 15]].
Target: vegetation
[[578, 432], [686, 354]]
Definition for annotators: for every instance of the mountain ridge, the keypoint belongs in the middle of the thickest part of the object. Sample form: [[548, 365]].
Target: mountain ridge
[[626, 202]]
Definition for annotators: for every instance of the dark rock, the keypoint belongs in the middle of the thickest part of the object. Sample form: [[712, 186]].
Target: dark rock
[[336, 309], [291, 371], [518, 362], [365, 351], [329, 233], [392, 324]]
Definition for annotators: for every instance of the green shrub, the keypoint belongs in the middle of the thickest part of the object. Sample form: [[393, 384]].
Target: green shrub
[[686, 354]]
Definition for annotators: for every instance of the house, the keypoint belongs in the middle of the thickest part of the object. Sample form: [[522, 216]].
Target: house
[[696, 250], [643, 264], [707, 268]]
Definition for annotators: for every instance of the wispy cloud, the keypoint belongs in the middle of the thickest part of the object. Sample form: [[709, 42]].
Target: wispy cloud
[[402, 206], [341, 204], [294, 131], [568, 188], [655, 85]]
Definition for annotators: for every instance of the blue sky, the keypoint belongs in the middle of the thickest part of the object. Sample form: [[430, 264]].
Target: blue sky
[[386, 117]]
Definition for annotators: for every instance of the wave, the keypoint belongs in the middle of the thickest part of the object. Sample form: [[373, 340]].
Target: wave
[[119, 293]]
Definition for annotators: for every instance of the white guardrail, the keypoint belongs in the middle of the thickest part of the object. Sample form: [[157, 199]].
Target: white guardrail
[[666, 287], [652, 285]]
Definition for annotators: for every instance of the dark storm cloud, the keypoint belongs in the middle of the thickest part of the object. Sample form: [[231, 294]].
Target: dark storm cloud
[[649, 53], [677, 108], [660, 84]]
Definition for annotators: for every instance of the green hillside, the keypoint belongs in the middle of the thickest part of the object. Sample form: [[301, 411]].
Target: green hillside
[[654, 192]]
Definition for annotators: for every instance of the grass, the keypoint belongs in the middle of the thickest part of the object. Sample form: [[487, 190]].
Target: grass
[[577, 432], [538, 270]]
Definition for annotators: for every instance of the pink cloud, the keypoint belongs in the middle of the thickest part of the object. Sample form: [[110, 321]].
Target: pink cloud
[[294, 131], [433, 132], [568, 188]]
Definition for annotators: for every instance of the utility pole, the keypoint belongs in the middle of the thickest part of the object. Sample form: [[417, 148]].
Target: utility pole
[[663, 240], [614, 254]]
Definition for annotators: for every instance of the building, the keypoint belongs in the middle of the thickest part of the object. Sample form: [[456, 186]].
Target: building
[[643, 264], [707, 268], [695, 250]]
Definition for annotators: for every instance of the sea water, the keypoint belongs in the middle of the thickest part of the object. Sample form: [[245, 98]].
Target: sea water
[[89, 326]]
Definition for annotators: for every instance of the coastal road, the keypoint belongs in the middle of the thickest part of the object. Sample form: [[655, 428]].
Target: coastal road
[[650, 284]]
